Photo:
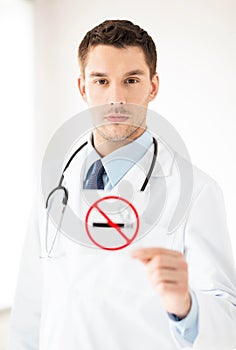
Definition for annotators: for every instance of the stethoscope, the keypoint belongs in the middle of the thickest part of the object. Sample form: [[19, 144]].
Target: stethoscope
[[60, 187]]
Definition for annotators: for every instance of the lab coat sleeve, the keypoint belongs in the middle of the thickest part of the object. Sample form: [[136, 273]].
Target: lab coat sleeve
[[211, 270], [25, 315]]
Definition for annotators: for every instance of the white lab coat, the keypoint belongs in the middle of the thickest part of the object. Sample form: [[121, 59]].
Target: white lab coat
[[91, 299]]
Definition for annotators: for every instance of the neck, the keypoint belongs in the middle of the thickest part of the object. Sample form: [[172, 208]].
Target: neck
[[105, 147]]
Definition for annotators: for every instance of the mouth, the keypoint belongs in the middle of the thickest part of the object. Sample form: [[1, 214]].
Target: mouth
[[117, 118]]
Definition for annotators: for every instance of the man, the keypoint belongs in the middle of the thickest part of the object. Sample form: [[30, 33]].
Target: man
[[104, 300]]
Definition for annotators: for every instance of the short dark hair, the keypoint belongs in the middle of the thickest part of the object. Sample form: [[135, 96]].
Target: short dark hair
[[120, 34]]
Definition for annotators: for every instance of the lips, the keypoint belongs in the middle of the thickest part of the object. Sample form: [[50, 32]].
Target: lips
[[117, 118]]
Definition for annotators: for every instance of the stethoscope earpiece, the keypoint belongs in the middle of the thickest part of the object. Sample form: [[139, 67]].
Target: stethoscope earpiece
[[65, 197], [60, 187]]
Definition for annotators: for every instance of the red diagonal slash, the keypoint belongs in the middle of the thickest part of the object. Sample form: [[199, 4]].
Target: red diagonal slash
[[111, 223]]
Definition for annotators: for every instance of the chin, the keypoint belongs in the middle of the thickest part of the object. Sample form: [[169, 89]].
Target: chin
[[117, 132]]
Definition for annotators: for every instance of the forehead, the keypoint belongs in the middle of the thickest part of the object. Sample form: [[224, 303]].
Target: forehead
[[110, 59]]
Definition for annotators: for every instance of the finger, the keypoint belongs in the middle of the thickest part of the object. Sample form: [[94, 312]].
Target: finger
[[165, 288], [169, 276], [167, 262], [146, 254]]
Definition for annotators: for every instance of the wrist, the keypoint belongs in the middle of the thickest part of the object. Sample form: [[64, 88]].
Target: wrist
[[182, 310]]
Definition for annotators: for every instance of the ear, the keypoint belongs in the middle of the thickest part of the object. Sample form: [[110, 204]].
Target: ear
[[154, 87], [81, 86]]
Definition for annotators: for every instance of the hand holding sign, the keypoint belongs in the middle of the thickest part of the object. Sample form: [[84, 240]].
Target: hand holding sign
[[168, 273]]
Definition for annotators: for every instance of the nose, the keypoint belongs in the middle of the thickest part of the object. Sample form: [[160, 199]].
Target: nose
[[116, 95]]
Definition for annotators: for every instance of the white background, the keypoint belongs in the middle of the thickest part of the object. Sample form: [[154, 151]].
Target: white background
[[16, 136], [196, 64]]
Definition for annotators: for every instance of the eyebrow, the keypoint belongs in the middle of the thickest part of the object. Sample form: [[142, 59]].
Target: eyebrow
[[97, 74], [132, 72]]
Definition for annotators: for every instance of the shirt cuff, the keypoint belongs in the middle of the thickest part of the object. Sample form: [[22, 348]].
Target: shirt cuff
[[186, 329]]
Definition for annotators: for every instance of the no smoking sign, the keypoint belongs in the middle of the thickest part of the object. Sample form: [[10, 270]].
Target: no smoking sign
[[112, 223]]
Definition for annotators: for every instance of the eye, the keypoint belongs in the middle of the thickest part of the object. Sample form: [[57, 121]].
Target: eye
[[101, 82], [131, 81]]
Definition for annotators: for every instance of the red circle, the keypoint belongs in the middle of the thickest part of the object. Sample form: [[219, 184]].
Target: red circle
[[95, 206]]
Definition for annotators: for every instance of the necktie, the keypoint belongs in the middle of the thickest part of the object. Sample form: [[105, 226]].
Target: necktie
[[95, 181]]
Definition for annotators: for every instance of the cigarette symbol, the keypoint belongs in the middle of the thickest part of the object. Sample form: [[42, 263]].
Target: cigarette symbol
[[104, 224]]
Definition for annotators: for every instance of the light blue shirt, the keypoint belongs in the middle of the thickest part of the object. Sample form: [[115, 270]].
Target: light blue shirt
[[119, 162], [116, 165]]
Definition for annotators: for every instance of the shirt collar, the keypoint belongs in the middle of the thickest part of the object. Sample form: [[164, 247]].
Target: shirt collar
[[119, 162]]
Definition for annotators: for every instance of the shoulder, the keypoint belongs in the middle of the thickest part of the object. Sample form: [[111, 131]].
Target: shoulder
[[200, 178]]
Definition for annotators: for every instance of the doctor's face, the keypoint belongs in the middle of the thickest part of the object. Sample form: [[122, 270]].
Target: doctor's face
[[120, 79]]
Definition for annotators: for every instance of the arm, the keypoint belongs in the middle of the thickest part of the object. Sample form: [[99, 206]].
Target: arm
[[211, 270], [208, 270]]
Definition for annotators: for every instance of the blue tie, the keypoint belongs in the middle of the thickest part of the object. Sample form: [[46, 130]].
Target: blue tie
[[95, 181]]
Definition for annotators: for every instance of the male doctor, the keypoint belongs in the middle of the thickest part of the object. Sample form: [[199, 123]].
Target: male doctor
[[166, 292]]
